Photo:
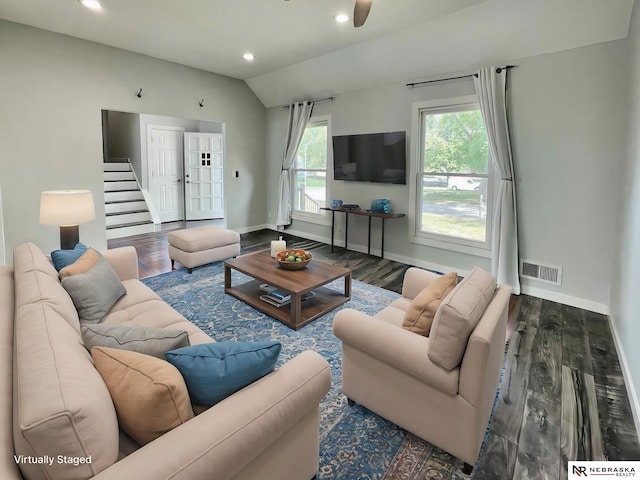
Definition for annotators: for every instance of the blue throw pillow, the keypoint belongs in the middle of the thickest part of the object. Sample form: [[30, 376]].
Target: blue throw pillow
[[62, 258], [213, 371]]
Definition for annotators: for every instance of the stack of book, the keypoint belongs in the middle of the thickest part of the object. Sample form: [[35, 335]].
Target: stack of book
[[278, 297]]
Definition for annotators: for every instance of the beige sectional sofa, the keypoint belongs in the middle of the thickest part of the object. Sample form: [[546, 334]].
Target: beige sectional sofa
[[396, 373], [55, 407]]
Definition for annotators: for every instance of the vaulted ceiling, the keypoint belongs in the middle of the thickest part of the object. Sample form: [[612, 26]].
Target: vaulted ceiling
[[302, 52]]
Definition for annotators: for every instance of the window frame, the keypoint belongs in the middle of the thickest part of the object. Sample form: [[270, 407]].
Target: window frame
[[416, 235], [321, 218]]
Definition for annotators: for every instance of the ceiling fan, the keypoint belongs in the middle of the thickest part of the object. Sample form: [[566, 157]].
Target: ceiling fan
[[361, 11]]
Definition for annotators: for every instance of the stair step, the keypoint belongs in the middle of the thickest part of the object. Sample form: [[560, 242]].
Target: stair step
[[129, 230], [123, 196], [117, 167], [118, 176], [127, 218], [130, 224], [127, 206], [126, 211], [120, 186]]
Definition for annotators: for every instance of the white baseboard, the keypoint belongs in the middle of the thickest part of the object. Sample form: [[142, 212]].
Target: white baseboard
[[253, 228], [566, 299], [626, 374]]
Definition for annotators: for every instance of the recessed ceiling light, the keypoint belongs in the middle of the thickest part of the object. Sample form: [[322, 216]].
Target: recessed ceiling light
[[92, 4], [341, 18], [248, 56]]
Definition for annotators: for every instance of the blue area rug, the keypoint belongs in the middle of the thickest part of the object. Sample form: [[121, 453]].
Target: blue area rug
[[354, 442]]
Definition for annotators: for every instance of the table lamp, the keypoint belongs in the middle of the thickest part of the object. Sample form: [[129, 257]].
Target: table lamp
[[67, 209]]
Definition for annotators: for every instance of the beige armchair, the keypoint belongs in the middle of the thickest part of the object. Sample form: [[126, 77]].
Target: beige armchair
[[399, 375]]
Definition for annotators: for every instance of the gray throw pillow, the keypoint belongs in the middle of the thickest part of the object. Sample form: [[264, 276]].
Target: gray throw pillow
[[95, 292], [148, 340]]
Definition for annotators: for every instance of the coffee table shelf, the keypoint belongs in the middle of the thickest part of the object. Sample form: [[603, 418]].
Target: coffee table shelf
[[297, 313]]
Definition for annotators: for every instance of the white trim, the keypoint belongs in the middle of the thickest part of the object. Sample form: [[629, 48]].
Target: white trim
[[565, 299], [253, 228], [626, 374], [480, 249], [321, 218], [453, 246]]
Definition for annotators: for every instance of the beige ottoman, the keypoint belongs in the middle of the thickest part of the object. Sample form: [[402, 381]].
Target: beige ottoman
[[197, 246]]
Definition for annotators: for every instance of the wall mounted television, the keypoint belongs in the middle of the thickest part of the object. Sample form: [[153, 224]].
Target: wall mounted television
[[371, 157]]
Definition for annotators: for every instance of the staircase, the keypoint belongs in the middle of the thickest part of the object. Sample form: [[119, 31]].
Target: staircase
[[125, 207]]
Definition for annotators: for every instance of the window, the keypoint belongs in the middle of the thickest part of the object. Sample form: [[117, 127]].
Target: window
[[311, 171], [453, 174]]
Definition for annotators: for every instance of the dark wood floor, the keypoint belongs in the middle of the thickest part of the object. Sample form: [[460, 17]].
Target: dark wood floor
[[562, 396]]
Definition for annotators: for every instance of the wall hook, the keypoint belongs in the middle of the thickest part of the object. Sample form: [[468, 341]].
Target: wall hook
[[201, 103], [139, 94]]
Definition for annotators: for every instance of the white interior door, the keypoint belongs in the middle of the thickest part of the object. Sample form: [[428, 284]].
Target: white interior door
[[204, 161], [165, 179]]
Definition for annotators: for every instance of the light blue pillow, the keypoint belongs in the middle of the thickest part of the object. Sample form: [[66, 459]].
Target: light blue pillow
[[213, 371], [62, 258], [94, 292]]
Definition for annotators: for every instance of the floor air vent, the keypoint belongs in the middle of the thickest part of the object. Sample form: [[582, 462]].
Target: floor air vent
[[543, 273]]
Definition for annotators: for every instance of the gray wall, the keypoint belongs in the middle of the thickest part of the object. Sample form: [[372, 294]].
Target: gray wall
[[567, 124], [625, 304], [52, 91]]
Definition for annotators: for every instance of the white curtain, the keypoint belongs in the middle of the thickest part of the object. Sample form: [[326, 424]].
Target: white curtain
[[299, 114], [491, 90]]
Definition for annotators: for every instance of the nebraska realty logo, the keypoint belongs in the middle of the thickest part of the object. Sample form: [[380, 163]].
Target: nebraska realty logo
[[581, 470]]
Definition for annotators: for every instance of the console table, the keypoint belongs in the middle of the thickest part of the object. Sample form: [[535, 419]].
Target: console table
[[366, 213]]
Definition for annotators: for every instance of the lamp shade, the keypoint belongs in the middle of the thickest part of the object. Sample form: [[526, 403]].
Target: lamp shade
[[66, 207]]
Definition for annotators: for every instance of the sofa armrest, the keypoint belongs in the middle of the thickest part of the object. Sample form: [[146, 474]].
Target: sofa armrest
[[220, 442], [124, 261], [415, 280], [484, 355], [395, 346]]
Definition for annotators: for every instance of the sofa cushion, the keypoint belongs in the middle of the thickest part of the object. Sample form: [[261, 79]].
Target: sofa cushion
[[457, 316], [419, 317], [213, 371], [37, 281], [141, 306], [94, 292], [148, 340], [61, 406], [149, 394], [83, 264], [62, 258]]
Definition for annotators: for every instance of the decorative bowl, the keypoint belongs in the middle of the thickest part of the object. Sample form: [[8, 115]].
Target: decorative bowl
[[293, 259]]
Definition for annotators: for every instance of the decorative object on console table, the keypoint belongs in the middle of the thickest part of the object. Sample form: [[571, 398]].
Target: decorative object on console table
[[336, 203], [67, 209], [381, 205]]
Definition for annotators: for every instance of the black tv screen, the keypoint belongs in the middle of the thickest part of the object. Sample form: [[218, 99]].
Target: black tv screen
[[371, 157]]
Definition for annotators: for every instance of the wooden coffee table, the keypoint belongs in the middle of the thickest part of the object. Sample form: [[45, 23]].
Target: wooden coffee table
[[264, 269]]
